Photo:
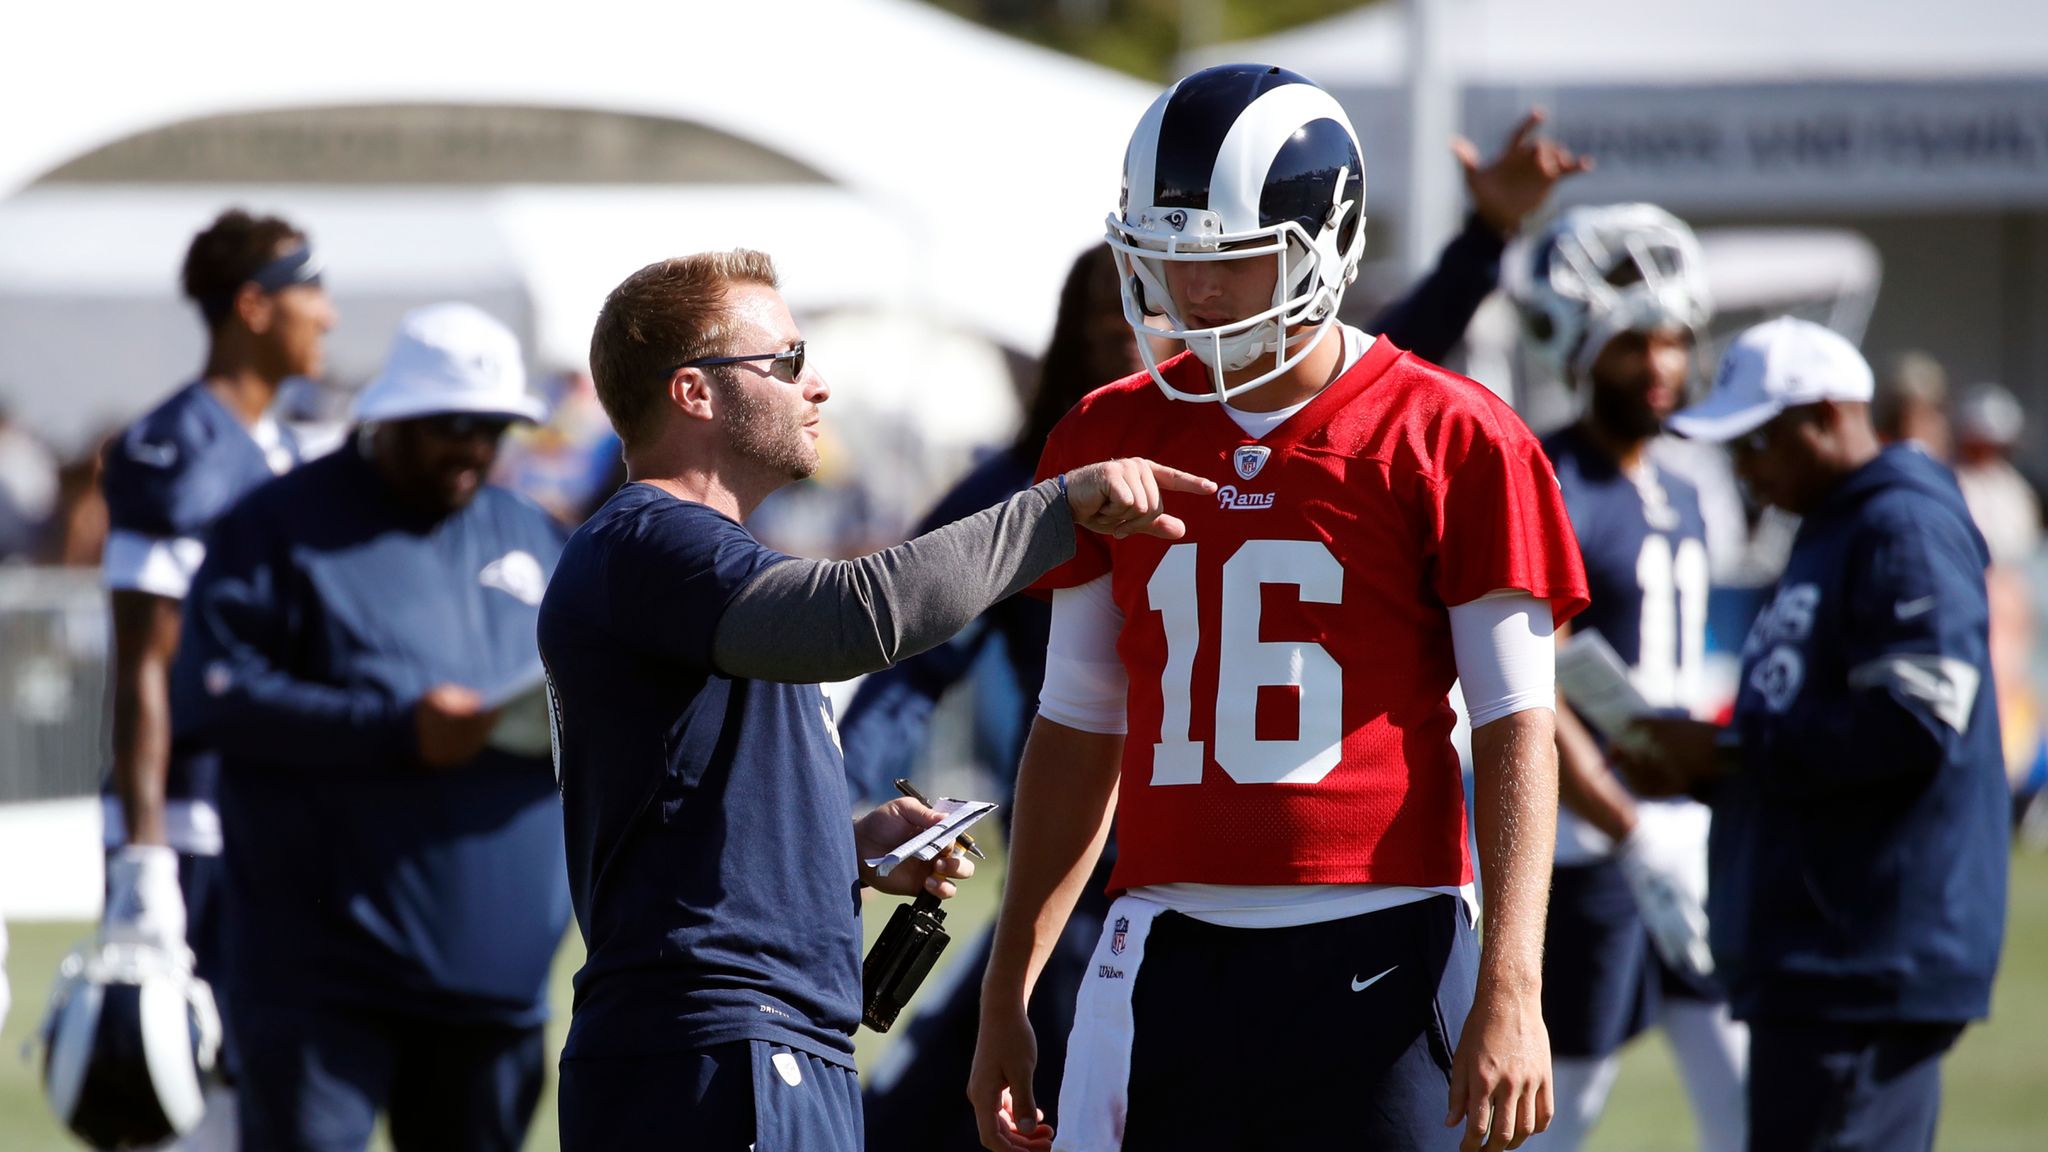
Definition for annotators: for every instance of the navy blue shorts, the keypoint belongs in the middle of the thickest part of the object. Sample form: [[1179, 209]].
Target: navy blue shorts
[[314, 1080], [1330, 1035], [1603, 982], [1869, 1087], [749, 1094]]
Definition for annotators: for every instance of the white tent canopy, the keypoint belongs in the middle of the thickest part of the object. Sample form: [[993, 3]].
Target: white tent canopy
[[976, 145]]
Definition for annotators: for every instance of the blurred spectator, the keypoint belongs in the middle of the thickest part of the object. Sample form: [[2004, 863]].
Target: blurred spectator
[[1988, 423], [28, 489], [1912, 404], [75, 535], [564, 464], [2008, 513]]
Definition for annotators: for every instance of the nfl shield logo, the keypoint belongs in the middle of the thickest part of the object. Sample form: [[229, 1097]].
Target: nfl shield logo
[[1249, 459], [1116, 938]]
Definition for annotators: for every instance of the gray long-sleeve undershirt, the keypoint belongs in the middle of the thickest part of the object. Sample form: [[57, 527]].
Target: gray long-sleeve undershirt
[[807, 621]]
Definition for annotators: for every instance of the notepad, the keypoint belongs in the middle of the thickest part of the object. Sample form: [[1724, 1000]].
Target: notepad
[[960, 815]]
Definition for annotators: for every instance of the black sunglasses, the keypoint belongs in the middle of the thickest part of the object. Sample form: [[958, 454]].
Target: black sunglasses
[[787, 367], [464, 425]]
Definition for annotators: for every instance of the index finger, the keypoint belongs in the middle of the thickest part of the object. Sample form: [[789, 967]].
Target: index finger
[[1529, 124], [1179, 481]]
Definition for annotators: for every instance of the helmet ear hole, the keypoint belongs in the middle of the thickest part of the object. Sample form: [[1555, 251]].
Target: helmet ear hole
[[1138, 294]]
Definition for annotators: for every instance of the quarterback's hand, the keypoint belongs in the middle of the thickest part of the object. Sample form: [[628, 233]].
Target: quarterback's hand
[[453, 725], [891, 824], [1119, 497], [144, 903], [1518, 181], [1671, 910], [1500, 1078], [999, 1085]]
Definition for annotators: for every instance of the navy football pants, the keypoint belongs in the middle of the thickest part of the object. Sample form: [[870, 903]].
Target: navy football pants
[[1816, 1086], [1335, 1036], [314, 1080]]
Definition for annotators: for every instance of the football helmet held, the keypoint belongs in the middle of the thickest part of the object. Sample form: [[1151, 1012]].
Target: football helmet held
[[1237, 162], [130, 1039], [1600, 270]]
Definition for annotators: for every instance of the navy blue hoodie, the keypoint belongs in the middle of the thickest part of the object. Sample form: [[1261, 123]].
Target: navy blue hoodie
[[1859, 855]]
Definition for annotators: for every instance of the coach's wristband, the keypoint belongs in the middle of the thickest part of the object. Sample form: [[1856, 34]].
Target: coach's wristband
[[1063, 485]]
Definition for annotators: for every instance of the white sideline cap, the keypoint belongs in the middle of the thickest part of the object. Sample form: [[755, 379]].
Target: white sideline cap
[[450, 358], [1779, 364]]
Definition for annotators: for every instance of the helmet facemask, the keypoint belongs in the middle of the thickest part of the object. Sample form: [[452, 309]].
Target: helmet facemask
[[1310, 275]]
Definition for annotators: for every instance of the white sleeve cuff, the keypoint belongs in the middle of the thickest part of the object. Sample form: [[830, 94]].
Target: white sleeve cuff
[[1506, 652], [157, 565], [1084, 676]]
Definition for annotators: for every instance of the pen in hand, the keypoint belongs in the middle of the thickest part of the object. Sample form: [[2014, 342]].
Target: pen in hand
[[966, 842]]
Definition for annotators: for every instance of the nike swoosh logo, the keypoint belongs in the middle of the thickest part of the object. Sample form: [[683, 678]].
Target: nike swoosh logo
[[1907, 609], [1358, 985]]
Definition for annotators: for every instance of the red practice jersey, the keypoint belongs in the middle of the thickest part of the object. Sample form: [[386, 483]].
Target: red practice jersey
[[1289, 658]]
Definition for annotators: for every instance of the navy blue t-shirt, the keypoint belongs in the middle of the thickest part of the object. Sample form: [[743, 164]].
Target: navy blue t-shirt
[[168, 477], [711, 854], [1644, 546]]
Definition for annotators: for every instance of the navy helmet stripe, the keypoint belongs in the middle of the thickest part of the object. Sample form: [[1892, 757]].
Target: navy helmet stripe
[[1197, 117]]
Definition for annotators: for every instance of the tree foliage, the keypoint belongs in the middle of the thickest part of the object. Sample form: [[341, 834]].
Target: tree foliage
[[1142, 37]]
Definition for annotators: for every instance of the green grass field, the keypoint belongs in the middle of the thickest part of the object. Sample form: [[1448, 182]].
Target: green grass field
[[1995, 1079]]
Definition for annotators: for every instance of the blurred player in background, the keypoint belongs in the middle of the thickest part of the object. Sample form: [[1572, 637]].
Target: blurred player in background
[[1290, 815], [912, 1097], [257, 286], [395, 889], [1859, 853], [715, 872], [1614, 298], [2007, 510]]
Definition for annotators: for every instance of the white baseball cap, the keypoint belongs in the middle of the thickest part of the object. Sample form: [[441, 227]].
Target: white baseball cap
[[1779, 364], [450, 358]]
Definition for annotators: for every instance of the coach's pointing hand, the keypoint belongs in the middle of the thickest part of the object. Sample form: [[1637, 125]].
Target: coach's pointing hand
[[1119, 497]]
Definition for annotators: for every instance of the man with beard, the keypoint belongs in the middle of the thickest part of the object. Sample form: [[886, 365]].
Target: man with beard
[[1859, 856], [712, 863], [1614, 297], [394, 890]]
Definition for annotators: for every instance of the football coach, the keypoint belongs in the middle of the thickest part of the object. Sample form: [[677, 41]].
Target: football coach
[[1859, 849], [394, 861], [712, 860]]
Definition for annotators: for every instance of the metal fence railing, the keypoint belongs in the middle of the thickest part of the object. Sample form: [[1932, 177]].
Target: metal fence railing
[[53, 682]]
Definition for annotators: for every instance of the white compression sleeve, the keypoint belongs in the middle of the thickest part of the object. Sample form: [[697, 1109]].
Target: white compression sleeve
[[1084, 677], [1505, 648]]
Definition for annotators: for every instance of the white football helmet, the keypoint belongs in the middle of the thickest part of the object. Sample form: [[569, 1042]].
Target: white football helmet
[[1238, 162], [1598, 271], [130, 1039]]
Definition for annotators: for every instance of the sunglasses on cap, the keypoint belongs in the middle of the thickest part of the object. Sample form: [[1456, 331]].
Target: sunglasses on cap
[[464, 425], [787, 367]]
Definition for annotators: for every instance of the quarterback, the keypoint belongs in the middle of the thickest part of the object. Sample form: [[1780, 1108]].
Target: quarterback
[[1261, 704]]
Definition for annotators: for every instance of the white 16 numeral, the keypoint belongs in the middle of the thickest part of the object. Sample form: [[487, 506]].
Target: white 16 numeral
[[1245, 663]]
